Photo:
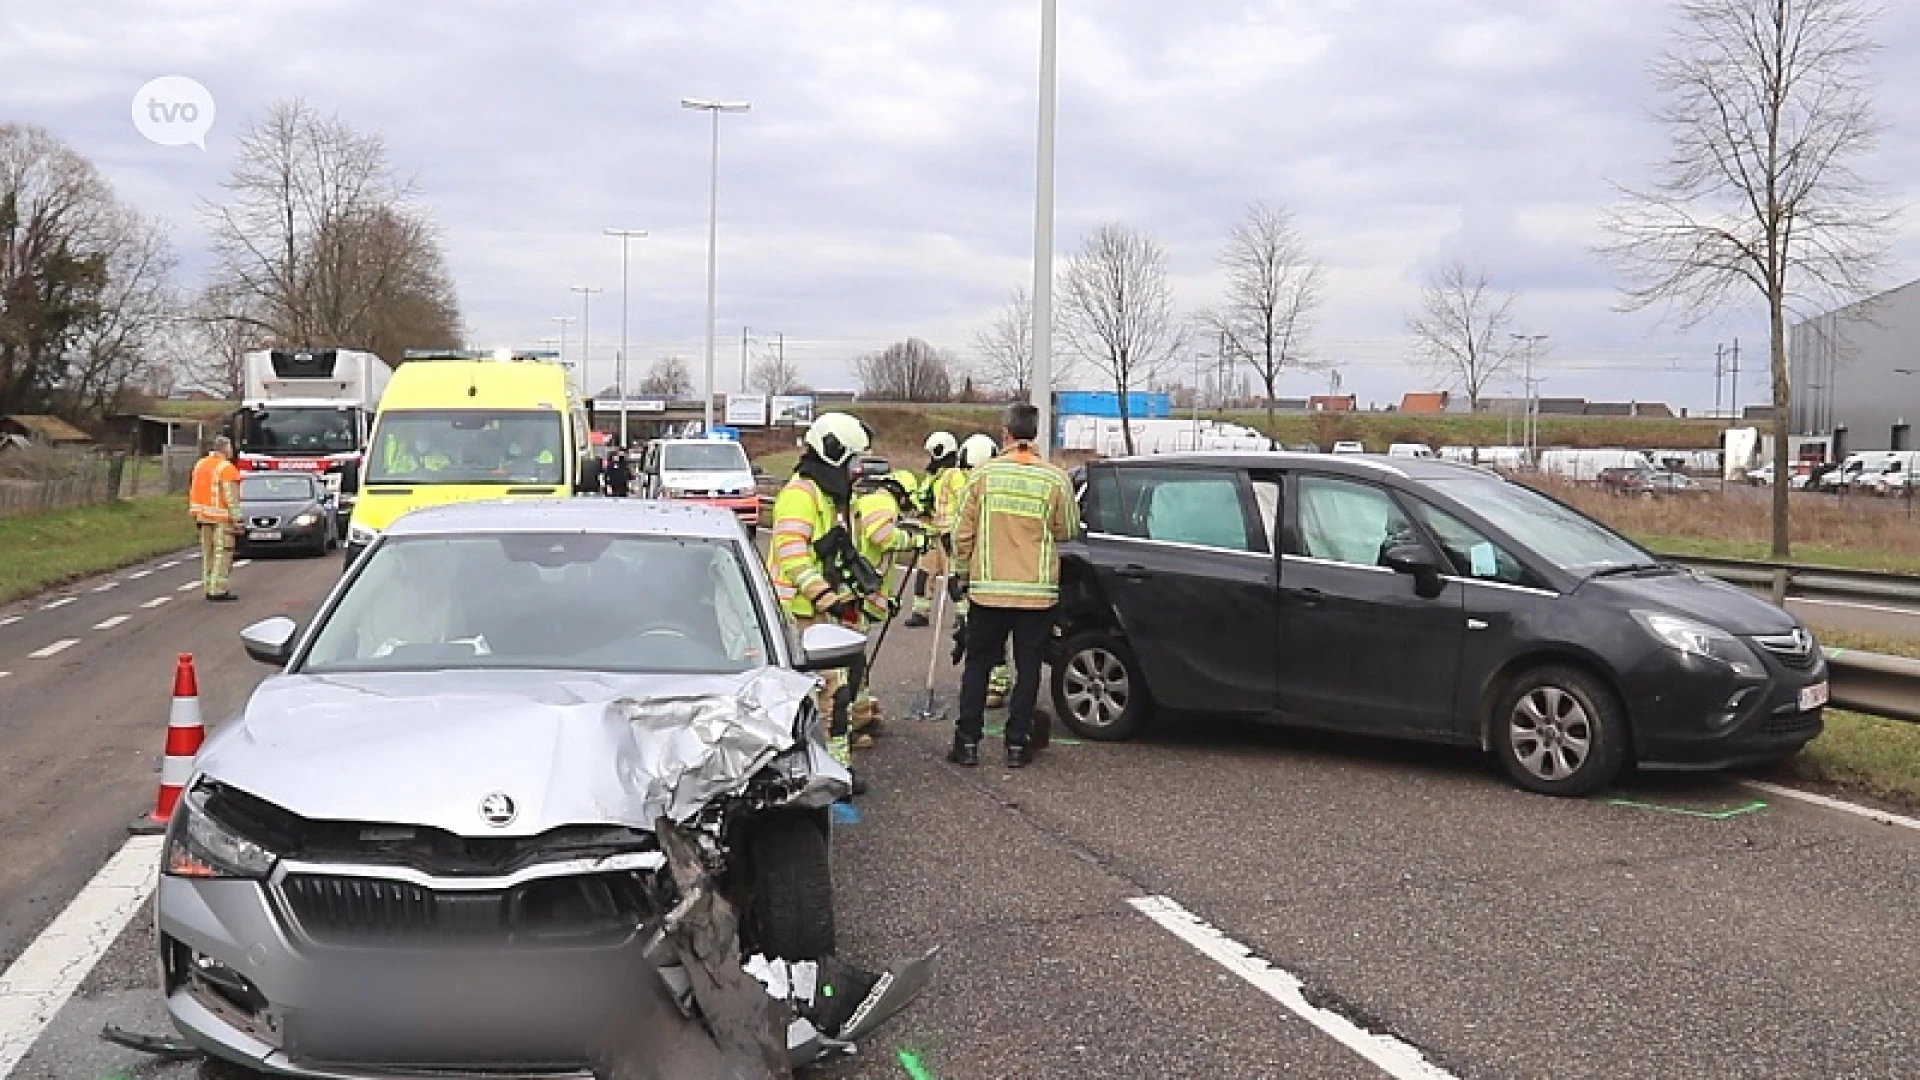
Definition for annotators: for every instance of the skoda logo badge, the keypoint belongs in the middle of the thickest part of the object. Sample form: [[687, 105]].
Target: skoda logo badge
[[498, 810]]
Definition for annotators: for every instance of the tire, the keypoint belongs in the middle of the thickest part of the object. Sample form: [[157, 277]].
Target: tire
[[1560, 731], [1098, 690], [790, 881]]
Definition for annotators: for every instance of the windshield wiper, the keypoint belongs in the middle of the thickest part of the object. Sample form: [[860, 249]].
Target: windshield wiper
[[1627, 568]]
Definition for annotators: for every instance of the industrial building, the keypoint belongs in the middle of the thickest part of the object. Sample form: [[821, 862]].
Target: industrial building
[[1856, 372]]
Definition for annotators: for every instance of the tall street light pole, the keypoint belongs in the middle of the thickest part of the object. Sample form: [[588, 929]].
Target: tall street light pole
[[621, 368], [1531, 429], [563, 320], [1043, 229], [715, 108], [586, 327]]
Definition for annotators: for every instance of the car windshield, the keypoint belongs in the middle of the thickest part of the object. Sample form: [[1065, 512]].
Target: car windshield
[[704, 457], [1559, 534], [468, 446], [315, 429], [268, 488], [571, 601]]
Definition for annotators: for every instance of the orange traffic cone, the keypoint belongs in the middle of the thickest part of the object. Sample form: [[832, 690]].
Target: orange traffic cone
[[185, 733]]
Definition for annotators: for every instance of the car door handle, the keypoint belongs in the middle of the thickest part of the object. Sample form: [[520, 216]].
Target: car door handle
[[1308, 597], [1134, 572]]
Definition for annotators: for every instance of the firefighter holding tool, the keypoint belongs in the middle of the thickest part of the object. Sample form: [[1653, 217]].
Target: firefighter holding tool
[[816, 569], [885, 535], [937, 495]]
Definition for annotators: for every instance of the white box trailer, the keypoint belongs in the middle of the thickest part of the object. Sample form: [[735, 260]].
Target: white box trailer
[[1585, 466]]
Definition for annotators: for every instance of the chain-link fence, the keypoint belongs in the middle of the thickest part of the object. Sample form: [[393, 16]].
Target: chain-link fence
[[35, 480]]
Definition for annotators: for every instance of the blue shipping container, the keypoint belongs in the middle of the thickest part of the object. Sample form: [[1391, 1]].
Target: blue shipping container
[[1141, 405]]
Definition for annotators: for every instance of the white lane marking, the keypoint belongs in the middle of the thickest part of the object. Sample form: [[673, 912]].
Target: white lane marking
[[190, 585], [10, 620], [60, 603], [169, 565], [39, 983], [1868, 812], [4, 674], [156, 602], [1881, 608], [138, 574], [1393, 1057], [108, 587], [243, 562], [109, 624], [54, 649]]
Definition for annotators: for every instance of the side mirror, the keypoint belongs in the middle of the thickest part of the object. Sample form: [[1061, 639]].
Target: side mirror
[[270, 641], [825, 648], [1416, 561]]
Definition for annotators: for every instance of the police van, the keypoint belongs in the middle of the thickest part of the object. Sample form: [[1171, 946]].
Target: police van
[[462, 425]]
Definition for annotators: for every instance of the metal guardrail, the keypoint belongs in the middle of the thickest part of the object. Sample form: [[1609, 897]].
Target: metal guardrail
[[1883, 686], [1812, 582]]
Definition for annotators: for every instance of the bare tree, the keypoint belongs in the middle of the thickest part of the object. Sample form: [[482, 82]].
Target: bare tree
[[668, 377], [1767, 107], [1461, 329], [1117, 311], [1005, 347], [317, 241], [909, 370], [773, 373], [1273, 290], [83, 282]]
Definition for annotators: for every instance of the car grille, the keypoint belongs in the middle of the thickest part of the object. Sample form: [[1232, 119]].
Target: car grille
[[1790, 725], [1795, 650], [588, 909], [263, 522]]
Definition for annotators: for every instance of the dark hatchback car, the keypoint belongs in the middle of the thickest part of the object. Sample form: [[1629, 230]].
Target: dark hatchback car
[[1416, 599], [287, 511]]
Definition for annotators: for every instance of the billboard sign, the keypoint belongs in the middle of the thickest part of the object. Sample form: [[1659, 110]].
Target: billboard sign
[[747, 410], [793, 409]]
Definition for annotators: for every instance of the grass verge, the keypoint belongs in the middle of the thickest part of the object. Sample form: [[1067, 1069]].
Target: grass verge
[[1761, 550], [40, 551]]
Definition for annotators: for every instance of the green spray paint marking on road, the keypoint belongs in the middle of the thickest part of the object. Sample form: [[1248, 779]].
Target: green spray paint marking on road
[[1710, 815], [910, 1061]]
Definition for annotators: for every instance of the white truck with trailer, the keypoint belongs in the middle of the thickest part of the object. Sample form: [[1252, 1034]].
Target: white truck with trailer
[[309, 410]]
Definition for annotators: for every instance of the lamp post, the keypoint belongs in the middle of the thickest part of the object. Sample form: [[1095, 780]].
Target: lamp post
[[715, 108], [620, 368], [1043, 229], [1530, 431], [563, 320], [586, 326]]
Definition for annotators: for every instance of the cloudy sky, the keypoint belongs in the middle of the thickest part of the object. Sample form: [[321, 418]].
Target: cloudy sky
[[882, 184]]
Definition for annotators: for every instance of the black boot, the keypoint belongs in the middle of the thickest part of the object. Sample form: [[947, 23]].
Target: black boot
[[859, 782], [916, 620], [1019, 756], [964, 752]]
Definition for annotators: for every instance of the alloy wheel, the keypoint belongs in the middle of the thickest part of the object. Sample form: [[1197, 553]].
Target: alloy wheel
[[1551, 733], [1097, 689]]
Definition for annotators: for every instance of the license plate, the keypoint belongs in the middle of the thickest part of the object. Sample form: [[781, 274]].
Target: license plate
[[264, 534], [1812, 697]]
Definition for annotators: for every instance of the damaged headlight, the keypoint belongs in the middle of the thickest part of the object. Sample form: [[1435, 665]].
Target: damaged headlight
[[198, 846], [1699, 639]]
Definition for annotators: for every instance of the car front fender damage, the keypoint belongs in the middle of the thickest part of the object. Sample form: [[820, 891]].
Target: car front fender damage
[[697, 1008]]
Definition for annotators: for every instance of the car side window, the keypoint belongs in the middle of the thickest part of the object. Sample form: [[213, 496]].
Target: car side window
[[1266, 497], [1472, 554], [1202, 507], [1347, 521]]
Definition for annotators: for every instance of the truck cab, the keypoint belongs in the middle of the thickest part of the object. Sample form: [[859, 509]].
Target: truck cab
[[309, 411]]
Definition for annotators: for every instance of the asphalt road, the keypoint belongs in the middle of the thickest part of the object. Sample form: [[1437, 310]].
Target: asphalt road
[[1411, 891]]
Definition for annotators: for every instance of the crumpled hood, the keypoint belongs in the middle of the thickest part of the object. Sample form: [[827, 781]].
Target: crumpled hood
[[708, 480], [567, 748]]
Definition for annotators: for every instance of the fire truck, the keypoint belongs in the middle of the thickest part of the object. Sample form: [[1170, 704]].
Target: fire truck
[[309, 410]]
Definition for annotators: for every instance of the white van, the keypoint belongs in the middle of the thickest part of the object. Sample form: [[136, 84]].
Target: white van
[[1585, 466], [1410, 450]]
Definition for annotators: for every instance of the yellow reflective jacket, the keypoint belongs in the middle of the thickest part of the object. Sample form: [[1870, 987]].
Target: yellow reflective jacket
[[1017, 511], [802, 513]]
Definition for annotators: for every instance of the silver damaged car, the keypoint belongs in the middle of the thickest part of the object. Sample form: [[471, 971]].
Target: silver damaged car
[[432, 843]]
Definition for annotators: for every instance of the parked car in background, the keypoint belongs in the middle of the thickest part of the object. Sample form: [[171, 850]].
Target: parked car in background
[[1667, 482], [1410, 450], [1585, 466], [431, 842], [1416, 599], [1349, 446], [287, 511], [711, 471]]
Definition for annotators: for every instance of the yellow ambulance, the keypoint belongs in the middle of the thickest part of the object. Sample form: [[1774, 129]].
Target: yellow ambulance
[[459, 426]]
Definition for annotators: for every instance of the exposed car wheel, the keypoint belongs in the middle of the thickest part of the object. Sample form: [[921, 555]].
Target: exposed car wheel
[[1560, 731], [790, 886], [1097, 688]]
